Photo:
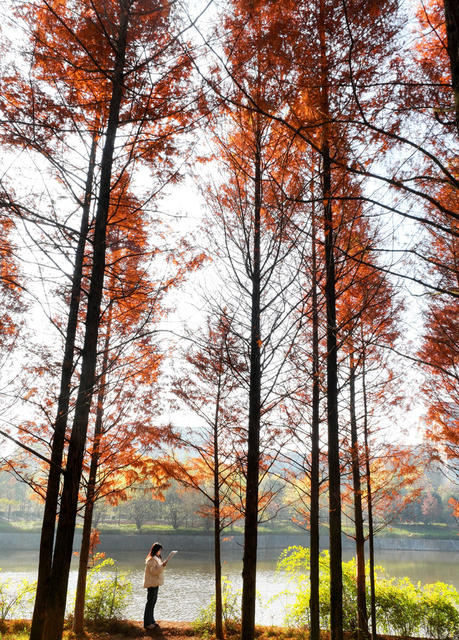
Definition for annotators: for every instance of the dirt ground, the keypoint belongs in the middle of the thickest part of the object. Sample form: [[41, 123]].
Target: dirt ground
[[173, 630], [120, 630], [166, 629]]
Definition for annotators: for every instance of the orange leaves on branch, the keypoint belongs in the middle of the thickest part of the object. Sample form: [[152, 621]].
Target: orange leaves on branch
[[394, 474], [454, 505], [432, 47]]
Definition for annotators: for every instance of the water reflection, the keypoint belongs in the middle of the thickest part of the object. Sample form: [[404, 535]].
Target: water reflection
[[189, 578]]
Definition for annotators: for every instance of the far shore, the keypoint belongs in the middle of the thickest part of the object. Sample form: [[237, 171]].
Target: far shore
[[203, 541]]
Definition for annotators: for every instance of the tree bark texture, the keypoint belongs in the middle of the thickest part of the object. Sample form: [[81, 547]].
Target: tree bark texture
[[60, 426], [362, 620], [371, 548], [253, 444], [78, 617], [69, 501], [217, 523], [314, 630], [334, 475]]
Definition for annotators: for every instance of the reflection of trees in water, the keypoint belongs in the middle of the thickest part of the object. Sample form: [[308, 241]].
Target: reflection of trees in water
[[188, 582]]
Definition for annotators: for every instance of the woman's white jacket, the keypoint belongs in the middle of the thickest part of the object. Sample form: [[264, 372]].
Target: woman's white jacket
[[154, 572]]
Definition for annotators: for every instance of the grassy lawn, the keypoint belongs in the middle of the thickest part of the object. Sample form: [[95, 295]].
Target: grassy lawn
[[20, 526], [439, 531]]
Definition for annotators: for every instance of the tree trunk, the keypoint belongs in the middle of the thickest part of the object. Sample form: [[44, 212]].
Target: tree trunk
[[78, 618], [362, 621], [219, 633], [452, 33], [334, 476], [66, 526], [217, 524], [253, 444], [60, 426], [314, 630], [371, 549]]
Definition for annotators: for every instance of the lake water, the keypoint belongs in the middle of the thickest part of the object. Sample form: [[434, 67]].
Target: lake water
[[189, 578]]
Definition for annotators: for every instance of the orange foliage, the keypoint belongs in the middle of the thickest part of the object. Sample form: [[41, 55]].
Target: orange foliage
[[394, 473]]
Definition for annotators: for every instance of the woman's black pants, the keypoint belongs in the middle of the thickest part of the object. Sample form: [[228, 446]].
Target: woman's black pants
[[149, 614]]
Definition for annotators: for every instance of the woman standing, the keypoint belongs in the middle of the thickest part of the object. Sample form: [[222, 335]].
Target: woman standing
[[154, 577]]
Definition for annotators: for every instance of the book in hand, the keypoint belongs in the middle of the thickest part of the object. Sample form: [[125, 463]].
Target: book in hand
[[171, 555]]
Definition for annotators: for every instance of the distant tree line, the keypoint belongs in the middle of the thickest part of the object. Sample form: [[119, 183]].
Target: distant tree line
[[183, 509]]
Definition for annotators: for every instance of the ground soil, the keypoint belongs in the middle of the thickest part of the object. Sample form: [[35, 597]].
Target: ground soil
[[120, 630], [167, 630], [131, 630]]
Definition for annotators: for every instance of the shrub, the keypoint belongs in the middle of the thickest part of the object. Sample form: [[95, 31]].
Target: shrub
[[295, 562], [105, 596], [440, 609], [402, 608], [398, 606], [12, 601], [231, 608], [349, 596]]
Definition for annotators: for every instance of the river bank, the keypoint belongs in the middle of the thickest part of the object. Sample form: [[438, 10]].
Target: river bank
[[22, 541], [132, 630]]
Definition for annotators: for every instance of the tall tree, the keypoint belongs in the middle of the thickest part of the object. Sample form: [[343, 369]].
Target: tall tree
[[255, 222], [210, 390], [438, 352], [113, 50], [256, 219], [129, 364]]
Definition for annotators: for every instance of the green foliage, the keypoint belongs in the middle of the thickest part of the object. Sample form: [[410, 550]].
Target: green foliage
[[408, 609], [440, 606], [398, 606], [402, 608], [12, 601], [105, 596], [231, 608], [295, 562]]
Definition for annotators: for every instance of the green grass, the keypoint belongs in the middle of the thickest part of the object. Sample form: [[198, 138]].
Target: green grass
[[438, 531], [131, 529], [20, 526]]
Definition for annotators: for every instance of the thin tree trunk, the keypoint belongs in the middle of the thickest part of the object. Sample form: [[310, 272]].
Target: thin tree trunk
[[218, 575], [371, 549], [217, 524], [334, 474], [314, 630], [60, 426], [78, 618], [69, 501], [362, 620], [452, 33], [253, 445]]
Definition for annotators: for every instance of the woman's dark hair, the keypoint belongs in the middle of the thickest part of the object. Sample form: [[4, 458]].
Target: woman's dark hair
[[155, 548]]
